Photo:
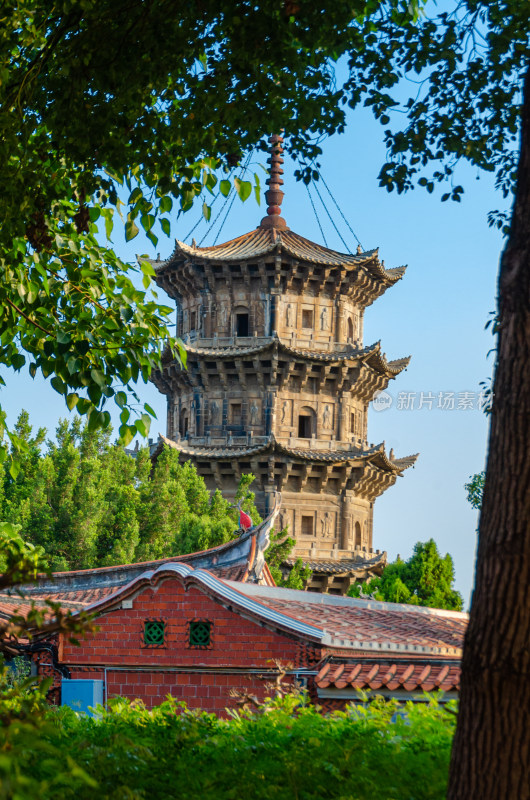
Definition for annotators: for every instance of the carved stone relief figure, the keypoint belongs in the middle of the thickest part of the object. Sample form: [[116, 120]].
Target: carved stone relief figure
[[214, 413], [289, 316], [259, 311], [326, 526], [254, 412], [326, 417], [324, 319], [285, 413], [222, 316]]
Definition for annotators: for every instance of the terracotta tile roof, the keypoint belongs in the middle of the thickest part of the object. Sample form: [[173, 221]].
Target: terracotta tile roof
[[259, 243], [371, 354], [374, 455], [239, 559], [405, 675], [368, 624], [11, 604], [342, 567]]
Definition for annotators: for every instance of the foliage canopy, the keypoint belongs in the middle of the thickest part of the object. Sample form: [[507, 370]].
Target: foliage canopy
[[85, 141], [425, 579], [84, 502], [290, 750]]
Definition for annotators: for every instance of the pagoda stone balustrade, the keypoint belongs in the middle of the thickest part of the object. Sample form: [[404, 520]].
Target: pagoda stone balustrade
[[352, 445], [304, 342]]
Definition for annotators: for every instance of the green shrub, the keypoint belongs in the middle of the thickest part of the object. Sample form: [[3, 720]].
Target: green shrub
[[288, 750]]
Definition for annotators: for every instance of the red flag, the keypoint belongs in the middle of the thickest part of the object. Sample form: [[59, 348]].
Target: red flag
[[245, 521]]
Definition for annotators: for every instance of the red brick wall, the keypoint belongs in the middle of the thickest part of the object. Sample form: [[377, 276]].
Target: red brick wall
[[237, 643]]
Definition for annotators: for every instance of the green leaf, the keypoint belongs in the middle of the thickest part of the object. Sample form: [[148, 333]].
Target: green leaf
[[206, 211], [18, 361], [72, 400], [152, 238], [147, 221], [135, 195], [131, 230], [120, 399], [141, 427], [166, 204], [224, 188], [98, 377], [150, 410], [126, 434], [166, 226], [84, 405], [58, 385], [243, 188]]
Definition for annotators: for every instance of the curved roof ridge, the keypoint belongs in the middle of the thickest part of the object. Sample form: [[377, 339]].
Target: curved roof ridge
[[344, 600], [224, 590], [261, 241]]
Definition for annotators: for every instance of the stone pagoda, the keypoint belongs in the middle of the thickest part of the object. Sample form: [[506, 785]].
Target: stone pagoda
[[278, 383]]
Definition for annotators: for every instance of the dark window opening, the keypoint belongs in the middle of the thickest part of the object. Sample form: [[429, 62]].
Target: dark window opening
[[242, 326], [193, 320], [358, 537], [352, 422], [304, 426], [307, 526], [200, 633], [236, 414], [307, 318], [154, 632], [184, 424], [350, 329]]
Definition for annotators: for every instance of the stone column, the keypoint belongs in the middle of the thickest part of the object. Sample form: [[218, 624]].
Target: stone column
[[346, 523]]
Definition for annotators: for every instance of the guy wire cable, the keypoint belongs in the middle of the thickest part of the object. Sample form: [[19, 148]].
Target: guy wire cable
[[243, 170], [330, 217], [202, 219], [316, 215], [340, 210]]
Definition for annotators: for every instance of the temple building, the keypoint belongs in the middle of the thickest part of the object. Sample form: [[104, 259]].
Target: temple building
[[278, 383], [212, 626]]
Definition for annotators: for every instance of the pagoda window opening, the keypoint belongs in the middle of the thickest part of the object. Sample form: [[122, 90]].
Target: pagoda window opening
[[307, 318], [193, 320], [307, 526], [236, 413], [358, 536], [184, 423], [350, 329], [242, 324], [352, 422], [305, 425]]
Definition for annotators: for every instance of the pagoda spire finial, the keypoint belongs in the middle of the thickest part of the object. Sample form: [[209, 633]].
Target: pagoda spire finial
[[274, 194]]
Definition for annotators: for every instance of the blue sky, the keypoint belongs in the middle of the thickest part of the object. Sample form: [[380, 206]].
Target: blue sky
[[436, 314]]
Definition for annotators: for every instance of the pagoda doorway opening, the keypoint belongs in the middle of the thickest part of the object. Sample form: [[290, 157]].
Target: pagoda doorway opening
[[184, 423], [242, 323], [358, 536], [306, 425]]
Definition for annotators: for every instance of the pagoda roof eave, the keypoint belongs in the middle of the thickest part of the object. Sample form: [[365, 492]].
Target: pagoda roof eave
[[375, 455], [371, 355], [260, 243]]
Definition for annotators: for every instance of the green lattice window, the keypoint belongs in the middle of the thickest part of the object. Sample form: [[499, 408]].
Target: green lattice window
[[200, 633], [154, 632]]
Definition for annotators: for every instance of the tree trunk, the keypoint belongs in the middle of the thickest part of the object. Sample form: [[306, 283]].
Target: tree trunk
[[491, 751]]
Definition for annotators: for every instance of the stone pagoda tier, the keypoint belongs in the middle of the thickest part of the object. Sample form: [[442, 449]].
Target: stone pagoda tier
[[278, 383]]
